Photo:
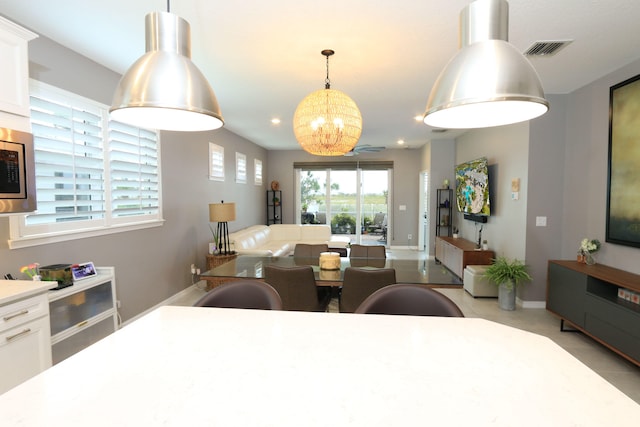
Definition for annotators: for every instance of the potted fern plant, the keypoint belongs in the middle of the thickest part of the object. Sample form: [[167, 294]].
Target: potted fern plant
[[507, 275]]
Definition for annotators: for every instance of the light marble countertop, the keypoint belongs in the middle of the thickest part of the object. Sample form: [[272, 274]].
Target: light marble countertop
[[187, 366], [12, 290]]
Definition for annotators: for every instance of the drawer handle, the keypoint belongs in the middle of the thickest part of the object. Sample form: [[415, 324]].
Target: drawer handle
[[24, 332], [13, 316]]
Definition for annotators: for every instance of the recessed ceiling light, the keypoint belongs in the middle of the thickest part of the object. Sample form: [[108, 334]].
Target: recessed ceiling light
[[401, 142], [275, 121]]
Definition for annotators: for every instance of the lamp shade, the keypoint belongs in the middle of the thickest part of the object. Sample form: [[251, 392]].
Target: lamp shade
[[164, 89], [327, 123], [222, 212], [489, 82]]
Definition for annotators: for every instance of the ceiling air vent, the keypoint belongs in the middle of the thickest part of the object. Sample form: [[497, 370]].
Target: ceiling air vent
[[546, 48]]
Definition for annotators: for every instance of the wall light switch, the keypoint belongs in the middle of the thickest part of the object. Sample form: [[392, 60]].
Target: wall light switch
[[541, 221], [402, 207]]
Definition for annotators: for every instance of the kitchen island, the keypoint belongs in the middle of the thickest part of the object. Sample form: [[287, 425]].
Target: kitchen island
[[193, 366]]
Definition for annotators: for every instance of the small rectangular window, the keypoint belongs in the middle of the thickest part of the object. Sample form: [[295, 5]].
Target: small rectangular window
[[241, 168], [216, 162], [257, 168]]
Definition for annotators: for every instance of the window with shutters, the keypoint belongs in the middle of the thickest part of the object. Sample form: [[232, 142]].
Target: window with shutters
[[241, 168], [257, 172], [216, 162], [94, 176]]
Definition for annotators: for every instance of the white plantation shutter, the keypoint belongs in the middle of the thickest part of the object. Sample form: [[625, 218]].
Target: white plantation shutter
[[69, 161], [133, 163], [93, 175], [241, 168], [257, 172], [216, 162]]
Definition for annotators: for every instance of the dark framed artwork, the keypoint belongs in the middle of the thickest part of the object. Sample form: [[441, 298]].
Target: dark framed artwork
[[623, 185]]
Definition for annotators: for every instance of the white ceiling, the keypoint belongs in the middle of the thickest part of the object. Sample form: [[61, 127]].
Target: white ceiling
[[262, 57]]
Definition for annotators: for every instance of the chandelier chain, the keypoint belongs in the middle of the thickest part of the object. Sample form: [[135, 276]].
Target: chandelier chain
[[327, 82]]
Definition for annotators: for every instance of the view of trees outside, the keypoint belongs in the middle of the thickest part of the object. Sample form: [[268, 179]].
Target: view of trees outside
[[342, 199]]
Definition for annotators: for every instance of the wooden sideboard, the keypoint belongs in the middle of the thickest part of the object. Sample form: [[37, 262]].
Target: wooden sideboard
[[457, 253], [586, 297]]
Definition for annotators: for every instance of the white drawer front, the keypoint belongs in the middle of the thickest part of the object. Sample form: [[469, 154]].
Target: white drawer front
[[23, 311]]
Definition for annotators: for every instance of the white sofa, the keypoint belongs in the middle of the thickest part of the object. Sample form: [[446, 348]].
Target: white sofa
[[281, 239]]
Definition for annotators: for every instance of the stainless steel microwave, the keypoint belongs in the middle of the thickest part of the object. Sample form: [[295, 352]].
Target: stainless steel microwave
[[17, 172]]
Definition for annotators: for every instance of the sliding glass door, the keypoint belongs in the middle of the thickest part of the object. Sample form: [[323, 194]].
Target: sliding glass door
[[353, 200]]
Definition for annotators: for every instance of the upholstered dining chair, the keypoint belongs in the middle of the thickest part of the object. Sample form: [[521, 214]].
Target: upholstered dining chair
[[376, 251], [305, 250], [242, 294], [409, 299], [368, 251], [359, 283], [297, 288], [358, 251]]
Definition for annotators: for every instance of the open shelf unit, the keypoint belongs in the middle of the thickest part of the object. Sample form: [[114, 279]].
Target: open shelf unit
[[274, 207], [444, 212]]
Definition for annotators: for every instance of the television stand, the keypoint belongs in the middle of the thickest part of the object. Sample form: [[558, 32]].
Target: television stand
[[457, 253]]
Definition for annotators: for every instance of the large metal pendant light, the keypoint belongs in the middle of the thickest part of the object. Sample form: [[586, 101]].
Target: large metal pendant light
[[488, 83], [164, 89], [327, 122]]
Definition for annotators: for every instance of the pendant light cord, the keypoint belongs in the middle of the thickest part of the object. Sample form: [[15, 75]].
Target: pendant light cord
[[169, 6], [327, 53], [327, 82]]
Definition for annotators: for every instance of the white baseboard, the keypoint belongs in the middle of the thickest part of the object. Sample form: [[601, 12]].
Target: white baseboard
[[533, 304], [183, 293]]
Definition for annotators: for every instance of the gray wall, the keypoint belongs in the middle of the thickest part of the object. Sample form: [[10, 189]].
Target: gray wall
[[545, 195], [585, 171], [152, 264]]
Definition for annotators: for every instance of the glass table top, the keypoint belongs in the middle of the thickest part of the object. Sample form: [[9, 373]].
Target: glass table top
[[407, 271]]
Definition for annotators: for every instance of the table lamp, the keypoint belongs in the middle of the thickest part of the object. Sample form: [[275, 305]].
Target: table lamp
[[222, 213]]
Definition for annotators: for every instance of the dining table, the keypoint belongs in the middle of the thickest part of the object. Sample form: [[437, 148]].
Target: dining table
[[201, 366], [419, 271]]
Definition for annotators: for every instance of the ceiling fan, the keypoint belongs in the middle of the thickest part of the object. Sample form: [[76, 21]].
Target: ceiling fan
[[363, 148]]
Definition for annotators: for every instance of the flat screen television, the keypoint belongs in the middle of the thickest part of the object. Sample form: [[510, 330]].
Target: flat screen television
[[472, 189]]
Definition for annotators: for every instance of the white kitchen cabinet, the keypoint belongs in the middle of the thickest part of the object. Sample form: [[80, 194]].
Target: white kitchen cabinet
[[14, 76], [83, 314], [25, 344]]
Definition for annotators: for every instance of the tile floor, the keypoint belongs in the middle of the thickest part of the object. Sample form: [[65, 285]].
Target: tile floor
[[615, 369]]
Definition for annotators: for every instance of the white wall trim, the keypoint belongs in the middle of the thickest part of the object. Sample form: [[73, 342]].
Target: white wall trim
[[532, 304]]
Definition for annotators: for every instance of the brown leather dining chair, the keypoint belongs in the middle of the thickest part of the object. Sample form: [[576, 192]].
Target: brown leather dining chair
[[306, 250], [359, 283], [297, 288], [358, 251], [409, 299], [367, 256], [242, 294]]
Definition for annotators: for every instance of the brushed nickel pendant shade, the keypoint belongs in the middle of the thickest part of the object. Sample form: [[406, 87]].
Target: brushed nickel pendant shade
[[164, 89], [488, 82]]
